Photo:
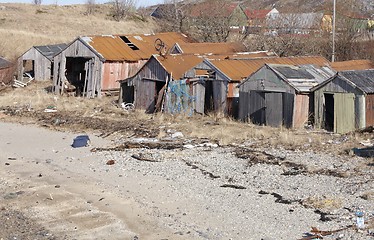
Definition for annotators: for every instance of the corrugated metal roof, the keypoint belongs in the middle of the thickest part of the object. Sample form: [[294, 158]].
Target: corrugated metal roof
[[131, 47], [211, 48], [242, 55], [363, 79], [4, 63], [352, 65], [302, 77], [237, 70], [178, 65], [50, 51]]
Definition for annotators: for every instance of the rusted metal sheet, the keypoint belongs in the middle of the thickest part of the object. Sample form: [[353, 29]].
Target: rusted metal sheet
[[352, 65], [369, 110], [178, 65], [240, 69], [344, 112], [131, 47], [301, 112], [208, 48]]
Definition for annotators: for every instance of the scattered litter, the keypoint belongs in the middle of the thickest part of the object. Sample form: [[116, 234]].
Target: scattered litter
[[364, 152], [232, 186], [141, 158], [110, 162], [12, 158], [81, 141], [50, 109], [101, 199]]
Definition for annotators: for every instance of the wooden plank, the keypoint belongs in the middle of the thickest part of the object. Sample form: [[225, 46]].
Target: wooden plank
[[369, 111], [274, 109]]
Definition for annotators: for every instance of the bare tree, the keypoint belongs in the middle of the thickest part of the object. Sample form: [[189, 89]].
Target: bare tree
[[37, 2], [90, 6], [171, 16], [210, 21], [122, 8]]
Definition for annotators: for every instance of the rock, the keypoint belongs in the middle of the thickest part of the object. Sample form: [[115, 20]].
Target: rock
[[110, 162], [177, 135]]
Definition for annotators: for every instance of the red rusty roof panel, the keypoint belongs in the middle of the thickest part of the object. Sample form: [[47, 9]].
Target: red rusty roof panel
[[212, 48], [237, 70], [131, 47], [352, 65], [178, 65]]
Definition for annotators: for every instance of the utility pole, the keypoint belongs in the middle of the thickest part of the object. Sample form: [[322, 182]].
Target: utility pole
[[333, 32]]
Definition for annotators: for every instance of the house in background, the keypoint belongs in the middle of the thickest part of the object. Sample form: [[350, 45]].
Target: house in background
[[38, 61], [95, 64], [236, 68], [295, 23], [6, 71], [182, 77], [258, 18], [345, 102], [279, 94]]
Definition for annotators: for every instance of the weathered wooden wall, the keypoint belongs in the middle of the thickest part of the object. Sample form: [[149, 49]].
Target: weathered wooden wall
[[95, 68], [42, 65], [370, 110]]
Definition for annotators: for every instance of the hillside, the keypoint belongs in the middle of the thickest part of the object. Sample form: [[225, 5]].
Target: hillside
[[24, 25]]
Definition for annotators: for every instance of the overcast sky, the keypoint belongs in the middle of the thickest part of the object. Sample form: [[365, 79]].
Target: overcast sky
[[64, 2]]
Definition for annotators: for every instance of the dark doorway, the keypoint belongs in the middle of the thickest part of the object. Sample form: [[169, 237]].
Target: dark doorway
[[28, 68], [77, 73], [209, 99], [329, 112]]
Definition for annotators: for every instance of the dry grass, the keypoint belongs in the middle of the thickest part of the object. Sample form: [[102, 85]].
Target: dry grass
[[225, 131], [25, 25]]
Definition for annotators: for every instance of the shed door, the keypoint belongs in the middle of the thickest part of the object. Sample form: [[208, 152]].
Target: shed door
[[257, 107], [244, 107], [344, 114], [274, 109], [369, 110], [199, 93]]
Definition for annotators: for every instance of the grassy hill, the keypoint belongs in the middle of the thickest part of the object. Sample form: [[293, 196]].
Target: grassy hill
[[25, 25]]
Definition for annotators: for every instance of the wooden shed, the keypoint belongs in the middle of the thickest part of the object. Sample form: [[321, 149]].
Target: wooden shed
[[38, 61], [184, 79], [345, 102], [95, 64], [236, 68], [6, 71], [279, 94]]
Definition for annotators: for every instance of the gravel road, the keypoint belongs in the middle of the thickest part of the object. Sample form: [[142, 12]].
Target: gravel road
[[200, 191]]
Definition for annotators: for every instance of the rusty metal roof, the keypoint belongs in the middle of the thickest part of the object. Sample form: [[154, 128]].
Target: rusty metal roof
[[131, 47], [242, 55], [178, 65], [209, 48], [352, 65], [237, 70]]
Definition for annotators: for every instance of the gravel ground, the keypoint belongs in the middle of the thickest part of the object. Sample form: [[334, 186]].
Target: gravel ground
[[195, 192]]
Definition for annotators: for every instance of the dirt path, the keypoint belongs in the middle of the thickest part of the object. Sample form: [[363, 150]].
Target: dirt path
[[47, 193]]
